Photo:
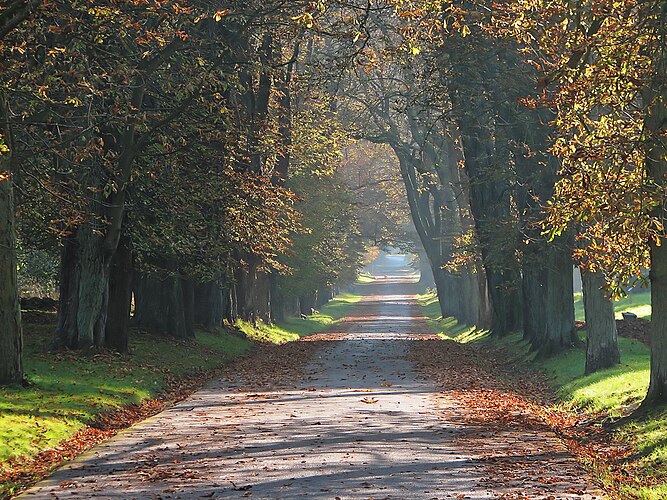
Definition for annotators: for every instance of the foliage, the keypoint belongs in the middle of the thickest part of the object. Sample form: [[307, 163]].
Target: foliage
[[596, 59], [328, 250], [37, 271], [372, 172]]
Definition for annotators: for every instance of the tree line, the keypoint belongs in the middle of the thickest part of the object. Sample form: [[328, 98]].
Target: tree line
[[194, 145], [531, 136], [177, 157]]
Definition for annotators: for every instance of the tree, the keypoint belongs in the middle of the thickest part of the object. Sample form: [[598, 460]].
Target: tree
[[11, 342], [654, 96], [601, 335], [603, 74], [12, 16]]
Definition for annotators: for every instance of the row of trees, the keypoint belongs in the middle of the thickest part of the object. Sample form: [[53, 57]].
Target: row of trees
[[176, 155], [195, 146], [531, 135]]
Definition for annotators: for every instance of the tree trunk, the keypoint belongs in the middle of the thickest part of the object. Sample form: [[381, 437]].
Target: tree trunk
[[231, 313], [534, 307], [471, 300], [188, 307], [11, 335], [84, 279], [601, 336], [209, 305], [506, 314], [655, 98], [657, 392], [120, 297], [277, 301], [253, 293], [307, 303], [559, 331], [160, 304], [443, 291]]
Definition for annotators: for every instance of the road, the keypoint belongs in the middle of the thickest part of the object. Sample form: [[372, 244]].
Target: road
[[361, 423]]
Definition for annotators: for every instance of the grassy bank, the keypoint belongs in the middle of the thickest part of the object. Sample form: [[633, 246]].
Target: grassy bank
[[637, 302], [69, 390], [295, 327], [608, 393]]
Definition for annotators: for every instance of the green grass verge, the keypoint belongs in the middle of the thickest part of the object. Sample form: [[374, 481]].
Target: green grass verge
[[294, 328], [637, 302], [365, 278], [613, 392], [70, 389], [448, 328]]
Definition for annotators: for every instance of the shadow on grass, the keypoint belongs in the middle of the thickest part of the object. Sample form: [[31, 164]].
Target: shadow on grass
[[70, 389]]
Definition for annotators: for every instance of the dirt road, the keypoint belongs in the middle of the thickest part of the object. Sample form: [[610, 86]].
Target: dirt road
[[361, 423]]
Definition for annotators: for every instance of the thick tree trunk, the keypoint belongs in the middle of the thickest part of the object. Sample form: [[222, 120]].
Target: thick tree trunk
[[307, 303], [277, 301], [657, 392], [84, 279], [160, 304], [231, 313], [253, 293], [188, 306], [120, 297], [11, 341], [558, 332], [534, 307], [209, 305], [506, 306], [471, 300], [655, 98], [444, 292], [601, 336]]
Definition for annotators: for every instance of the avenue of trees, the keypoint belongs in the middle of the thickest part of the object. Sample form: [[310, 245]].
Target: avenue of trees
[[189, 155]]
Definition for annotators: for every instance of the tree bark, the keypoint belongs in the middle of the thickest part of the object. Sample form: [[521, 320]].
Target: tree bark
[[548, 305], [253, 292], [209, 305], [188, 307], [307, 303], [160, 304], [11, 334], [601, 335], [551, 311], [655, 124], [84, 279], [120, 298]]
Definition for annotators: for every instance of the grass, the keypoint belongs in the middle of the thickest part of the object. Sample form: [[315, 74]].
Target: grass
[[295, 328], [637, 302], [613, 392], [71, 389], [448, 328], [68, 390]]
